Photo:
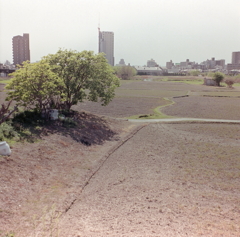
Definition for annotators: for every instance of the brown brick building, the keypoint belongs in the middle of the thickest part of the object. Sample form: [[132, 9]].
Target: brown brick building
[[21, 51]]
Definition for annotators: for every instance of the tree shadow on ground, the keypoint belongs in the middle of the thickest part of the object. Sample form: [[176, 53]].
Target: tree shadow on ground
[[82, 127]]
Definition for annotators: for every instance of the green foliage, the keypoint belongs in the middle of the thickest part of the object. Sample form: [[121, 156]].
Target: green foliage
[[5, 112], [7, 132], [125, 72], [29, 117], [218, 77], [157, 114], [6, 81], [85, 76], [195, 73], [34, 85], [210, 74], [63, 79], [69, 123], [8, 235]]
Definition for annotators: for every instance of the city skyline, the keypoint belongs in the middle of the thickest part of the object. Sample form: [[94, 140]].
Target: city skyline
[[162, 30]]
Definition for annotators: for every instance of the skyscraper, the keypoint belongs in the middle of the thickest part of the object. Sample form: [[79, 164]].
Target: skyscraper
[[21, 51], [236, 57], [106, 45]]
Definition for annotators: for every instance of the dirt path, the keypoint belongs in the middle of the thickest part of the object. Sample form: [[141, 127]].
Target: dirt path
[[184, 120], [158, 184]]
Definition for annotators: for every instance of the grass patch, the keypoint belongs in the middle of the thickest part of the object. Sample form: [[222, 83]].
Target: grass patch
[[5, 81], [234, 85], [157, 114], [187, 80], [191, 82]]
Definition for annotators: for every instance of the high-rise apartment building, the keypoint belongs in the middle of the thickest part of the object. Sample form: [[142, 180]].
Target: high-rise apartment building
[[236, 57], [106, 45], [21, 51]]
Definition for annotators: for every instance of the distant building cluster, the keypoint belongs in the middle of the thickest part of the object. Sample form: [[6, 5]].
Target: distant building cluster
[[21, 53], [208, 65]]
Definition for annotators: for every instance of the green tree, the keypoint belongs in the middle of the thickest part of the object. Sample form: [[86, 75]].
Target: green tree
[[195, 73], [34, 85], [85, 76], [125, 72], [218, 77]]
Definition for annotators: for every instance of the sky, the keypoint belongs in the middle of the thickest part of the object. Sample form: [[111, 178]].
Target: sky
[[162, 30]]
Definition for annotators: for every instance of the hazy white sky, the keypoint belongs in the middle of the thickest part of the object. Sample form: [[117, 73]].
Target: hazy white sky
[[143, 29]]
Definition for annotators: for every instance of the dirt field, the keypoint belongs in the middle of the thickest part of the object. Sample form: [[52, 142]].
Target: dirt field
[[141, 180], [136, 98], [167, 180]]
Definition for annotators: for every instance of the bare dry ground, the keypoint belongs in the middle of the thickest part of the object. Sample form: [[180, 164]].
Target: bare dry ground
[[141, 97], [167, 180], [205, 107], [154, 180], [48, 176]]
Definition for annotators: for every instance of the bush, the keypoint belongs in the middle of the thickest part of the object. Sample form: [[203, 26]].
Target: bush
[[218, 77], [7, 132], [69, 123], [5, 111], [229, 82], [195, 73], [29, 117]]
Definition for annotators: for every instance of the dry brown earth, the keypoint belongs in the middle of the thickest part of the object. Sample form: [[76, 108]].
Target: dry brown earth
[[168, 180], [155, 180]]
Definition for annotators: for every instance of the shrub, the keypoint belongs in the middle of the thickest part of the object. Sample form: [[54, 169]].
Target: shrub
[[195, 73], [229, 82], [34, 85], [5, 111], [7, 131], [29, 117], [69, 123], [218, 77]]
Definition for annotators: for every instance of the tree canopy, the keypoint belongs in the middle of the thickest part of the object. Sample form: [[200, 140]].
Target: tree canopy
[[218, 77], [85, 76], [68, 75], [34, 85], [125, 72]]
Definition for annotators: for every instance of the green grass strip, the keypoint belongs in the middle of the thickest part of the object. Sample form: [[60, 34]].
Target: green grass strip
[[5, 81], [157, 114]]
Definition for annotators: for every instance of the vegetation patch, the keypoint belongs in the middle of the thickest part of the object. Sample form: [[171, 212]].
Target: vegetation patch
[[157, 114], [5, 80]]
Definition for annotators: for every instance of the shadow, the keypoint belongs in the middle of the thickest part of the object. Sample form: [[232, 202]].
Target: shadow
[[80, 126]]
